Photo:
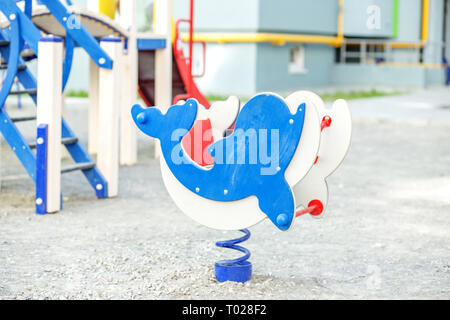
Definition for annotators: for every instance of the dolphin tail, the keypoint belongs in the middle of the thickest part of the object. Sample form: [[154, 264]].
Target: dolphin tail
[[155, 124]]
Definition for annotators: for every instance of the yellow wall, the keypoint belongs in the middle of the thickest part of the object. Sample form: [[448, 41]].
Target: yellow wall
[[108, 8]]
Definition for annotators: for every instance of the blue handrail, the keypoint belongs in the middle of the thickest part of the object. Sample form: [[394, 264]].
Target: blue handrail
[[80, 35], [13, 61], [28, 7], [28, 31]]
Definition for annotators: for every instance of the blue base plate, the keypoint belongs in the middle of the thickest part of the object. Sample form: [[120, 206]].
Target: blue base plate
[[240, 272]]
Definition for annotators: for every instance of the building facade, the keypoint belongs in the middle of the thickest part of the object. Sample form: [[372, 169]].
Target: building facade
[[293, 44], [286, 45]]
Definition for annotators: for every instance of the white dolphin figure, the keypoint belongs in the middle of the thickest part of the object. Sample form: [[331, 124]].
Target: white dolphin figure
[[305, 175]]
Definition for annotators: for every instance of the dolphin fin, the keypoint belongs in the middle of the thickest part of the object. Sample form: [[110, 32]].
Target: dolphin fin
[[276, 200]]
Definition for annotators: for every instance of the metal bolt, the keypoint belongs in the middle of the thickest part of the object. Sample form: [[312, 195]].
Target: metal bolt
[[282, 220]]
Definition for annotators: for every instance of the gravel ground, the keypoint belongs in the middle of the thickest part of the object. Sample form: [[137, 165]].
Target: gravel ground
[[385, 234]]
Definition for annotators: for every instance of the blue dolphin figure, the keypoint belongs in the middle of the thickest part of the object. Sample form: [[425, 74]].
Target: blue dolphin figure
[[238, 172]]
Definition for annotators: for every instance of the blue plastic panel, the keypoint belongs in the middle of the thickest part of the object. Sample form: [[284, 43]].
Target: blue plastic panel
[[110, 39], [50, 38], [151, 44], [41, 168], [251, 161]]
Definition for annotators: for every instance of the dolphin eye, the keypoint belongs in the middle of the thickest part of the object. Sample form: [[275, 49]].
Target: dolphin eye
[[142, 118]]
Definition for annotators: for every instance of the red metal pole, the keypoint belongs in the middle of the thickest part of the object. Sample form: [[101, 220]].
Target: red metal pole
[[305, 211], [315, 208], [326, 122], [191, 43]]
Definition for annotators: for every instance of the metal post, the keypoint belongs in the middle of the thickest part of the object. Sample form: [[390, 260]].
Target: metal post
[[163, 58], [363, 57], [128, 131], [108, 116], [343, 50], [49, 113]]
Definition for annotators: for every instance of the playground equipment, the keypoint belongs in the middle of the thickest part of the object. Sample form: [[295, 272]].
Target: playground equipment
[[44, 167], [273, 165], [179, 77], [57, 28]]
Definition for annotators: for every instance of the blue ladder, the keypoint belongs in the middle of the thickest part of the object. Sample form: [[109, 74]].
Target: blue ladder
[[11, 43]]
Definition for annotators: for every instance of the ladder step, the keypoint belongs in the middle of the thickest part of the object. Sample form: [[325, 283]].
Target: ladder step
[[21, 67], [64, 141], [4, 43], [78, 166], [22, 119], [25, 91]]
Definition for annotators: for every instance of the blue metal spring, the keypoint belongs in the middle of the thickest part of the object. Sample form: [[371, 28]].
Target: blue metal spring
[[236, 270]]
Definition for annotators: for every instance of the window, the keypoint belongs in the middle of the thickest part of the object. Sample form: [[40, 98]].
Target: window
[[297, 60]]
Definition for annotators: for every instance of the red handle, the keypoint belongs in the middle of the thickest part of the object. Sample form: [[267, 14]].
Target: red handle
[[315, 208]]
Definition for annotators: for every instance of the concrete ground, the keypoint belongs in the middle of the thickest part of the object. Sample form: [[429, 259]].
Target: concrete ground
[[386, 233]]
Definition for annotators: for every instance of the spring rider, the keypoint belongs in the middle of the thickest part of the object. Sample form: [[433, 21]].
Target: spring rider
[[272, 164]]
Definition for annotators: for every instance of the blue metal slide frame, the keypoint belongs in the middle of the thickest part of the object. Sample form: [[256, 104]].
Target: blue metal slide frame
[[9, 130], [79, 34], [74, 36], [28, 31]]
